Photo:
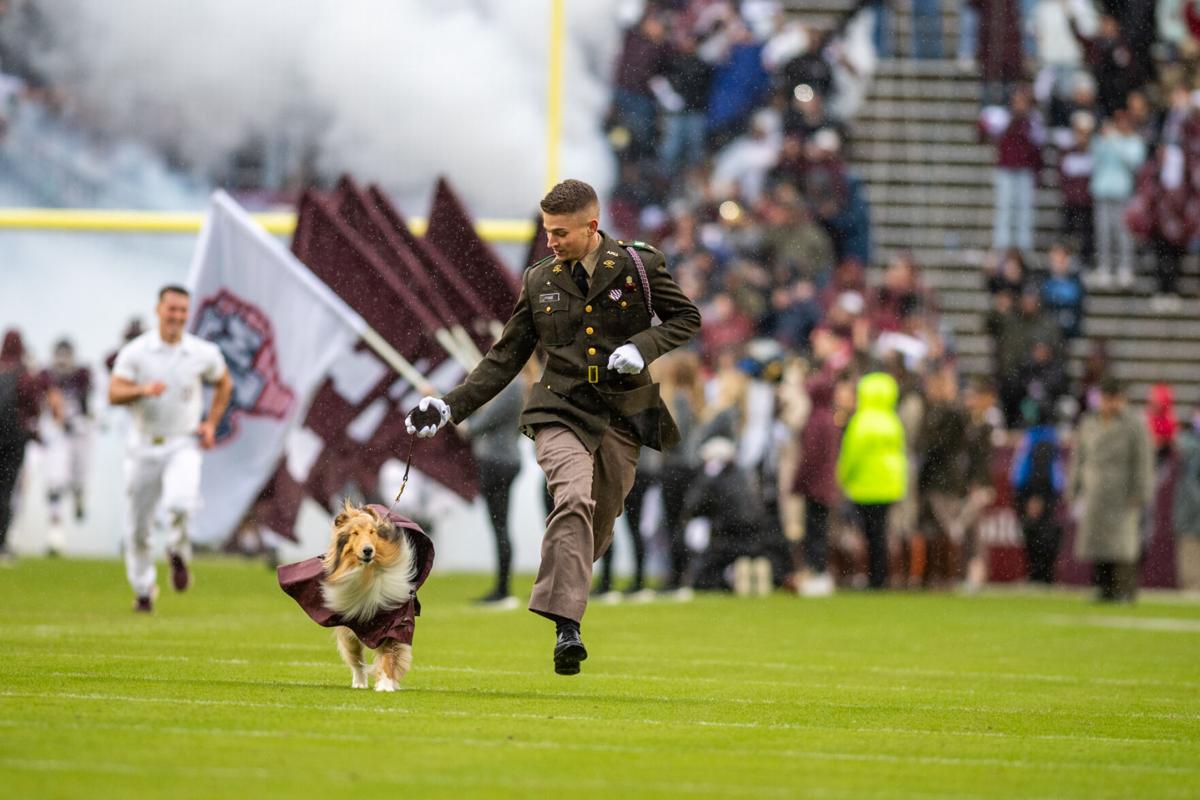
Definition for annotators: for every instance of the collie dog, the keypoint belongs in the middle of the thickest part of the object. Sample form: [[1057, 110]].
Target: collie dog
[[369, 569]]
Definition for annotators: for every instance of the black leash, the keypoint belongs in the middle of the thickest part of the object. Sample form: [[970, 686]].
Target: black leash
[[412, 443]]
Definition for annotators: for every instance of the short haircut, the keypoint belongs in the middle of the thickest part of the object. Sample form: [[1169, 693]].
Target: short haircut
[[172, 288], [1111, 387], [569, 197]]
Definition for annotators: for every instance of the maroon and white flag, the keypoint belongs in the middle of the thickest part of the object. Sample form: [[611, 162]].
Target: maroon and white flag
[[281, 330], [355, 423]]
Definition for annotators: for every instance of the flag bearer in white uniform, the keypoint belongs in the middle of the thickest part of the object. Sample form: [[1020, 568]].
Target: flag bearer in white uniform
[[159, 375]]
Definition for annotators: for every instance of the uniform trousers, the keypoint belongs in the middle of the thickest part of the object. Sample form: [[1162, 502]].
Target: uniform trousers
[[589, 492], [166, 474]]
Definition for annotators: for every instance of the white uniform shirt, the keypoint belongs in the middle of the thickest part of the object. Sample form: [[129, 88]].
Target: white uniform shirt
[[182, 367]]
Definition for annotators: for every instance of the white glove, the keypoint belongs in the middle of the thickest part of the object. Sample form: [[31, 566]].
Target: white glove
[[626, 360], [429, 424]]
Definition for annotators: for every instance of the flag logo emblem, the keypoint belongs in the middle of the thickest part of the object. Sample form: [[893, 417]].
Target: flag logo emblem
[[244, 335]]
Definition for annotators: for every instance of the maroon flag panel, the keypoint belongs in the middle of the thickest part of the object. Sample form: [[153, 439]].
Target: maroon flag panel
[[471, 309], [357, 208], [452, 231], [347, 247]]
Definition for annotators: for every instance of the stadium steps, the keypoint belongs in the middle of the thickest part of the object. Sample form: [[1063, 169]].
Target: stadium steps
[[929, 179]]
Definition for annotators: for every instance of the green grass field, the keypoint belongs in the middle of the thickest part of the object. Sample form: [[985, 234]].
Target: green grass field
[[229, 691]]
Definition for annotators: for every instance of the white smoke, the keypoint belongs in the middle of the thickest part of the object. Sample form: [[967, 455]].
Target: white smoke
[[395, 91]]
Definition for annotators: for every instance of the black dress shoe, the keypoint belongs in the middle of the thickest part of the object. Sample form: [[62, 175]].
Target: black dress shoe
[[568, 652]]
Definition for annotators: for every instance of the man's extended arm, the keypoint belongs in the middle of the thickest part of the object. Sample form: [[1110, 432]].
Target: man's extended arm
[[680, 317], [501, 364], [122, 391]]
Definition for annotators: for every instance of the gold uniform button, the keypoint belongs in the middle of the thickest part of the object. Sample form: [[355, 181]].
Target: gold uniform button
[[588, 330], [623, 304], [547, 309], [587, 309], [591, 351]]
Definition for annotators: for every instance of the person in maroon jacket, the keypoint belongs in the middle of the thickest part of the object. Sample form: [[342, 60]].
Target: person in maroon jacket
[[645, 54], [1018, 136], [21, 395], [816, 482], [66, 446]]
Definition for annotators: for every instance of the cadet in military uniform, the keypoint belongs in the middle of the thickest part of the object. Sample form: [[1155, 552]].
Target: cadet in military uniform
[[590, 307]]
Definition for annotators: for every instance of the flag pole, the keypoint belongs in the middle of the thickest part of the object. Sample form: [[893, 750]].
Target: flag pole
[[402, 365], [554, 98]]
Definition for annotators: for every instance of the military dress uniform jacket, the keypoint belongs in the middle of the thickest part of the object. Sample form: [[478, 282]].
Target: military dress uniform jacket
[[579, 334]]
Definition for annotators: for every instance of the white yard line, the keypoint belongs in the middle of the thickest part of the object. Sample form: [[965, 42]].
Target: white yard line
[[800, 682], [340, 708], [1154, 624], [646, 698], [556, 745]]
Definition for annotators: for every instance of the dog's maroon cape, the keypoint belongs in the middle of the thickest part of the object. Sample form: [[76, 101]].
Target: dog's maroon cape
[[302, 581]]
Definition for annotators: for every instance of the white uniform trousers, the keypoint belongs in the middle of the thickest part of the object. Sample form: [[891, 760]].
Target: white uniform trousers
[[166, 474]]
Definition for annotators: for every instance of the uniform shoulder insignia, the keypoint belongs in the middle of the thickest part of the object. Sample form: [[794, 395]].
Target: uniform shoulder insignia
[[548, 259], [641, 246]]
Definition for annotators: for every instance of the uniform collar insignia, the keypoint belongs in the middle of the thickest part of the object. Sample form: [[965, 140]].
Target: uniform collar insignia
[[557, 269]]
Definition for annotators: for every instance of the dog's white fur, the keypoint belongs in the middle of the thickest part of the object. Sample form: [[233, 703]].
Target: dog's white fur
[[360, 594], [358, 588]]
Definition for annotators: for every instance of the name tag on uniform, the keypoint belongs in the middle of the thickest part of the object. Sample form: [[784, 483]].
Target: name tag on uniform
[[549, 297]]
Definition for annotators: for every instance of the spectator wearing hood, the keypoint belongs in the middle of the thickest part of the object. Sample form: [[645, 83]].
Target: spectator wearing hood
[[872, 466], [816, 482], [1160, 418]]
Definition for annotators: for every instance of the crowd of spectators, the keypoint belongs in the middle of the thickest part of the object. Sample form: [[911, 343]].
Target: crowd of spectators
[[731, 126], [1109, 94]]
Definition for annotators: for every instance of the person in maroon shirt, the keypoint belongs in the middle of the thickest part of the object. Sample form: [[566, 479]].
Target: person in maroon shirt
[[1074, 186], [1017, 134], [645, 55], [21, 395], [816, 482], [67, 446]]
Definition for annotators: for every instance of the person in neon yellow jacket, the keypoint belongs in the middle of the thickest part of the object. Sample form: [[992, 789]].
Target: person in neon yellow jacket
[[872, 465]]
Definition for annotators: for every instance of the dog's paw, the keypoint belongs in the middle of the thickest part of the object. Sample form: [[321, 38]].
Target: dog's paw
[[385, 684], [358, 680]]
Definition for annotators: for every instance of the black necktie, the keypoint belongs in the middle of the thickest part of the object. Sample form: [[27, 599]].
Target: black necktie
[[579, 274]]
